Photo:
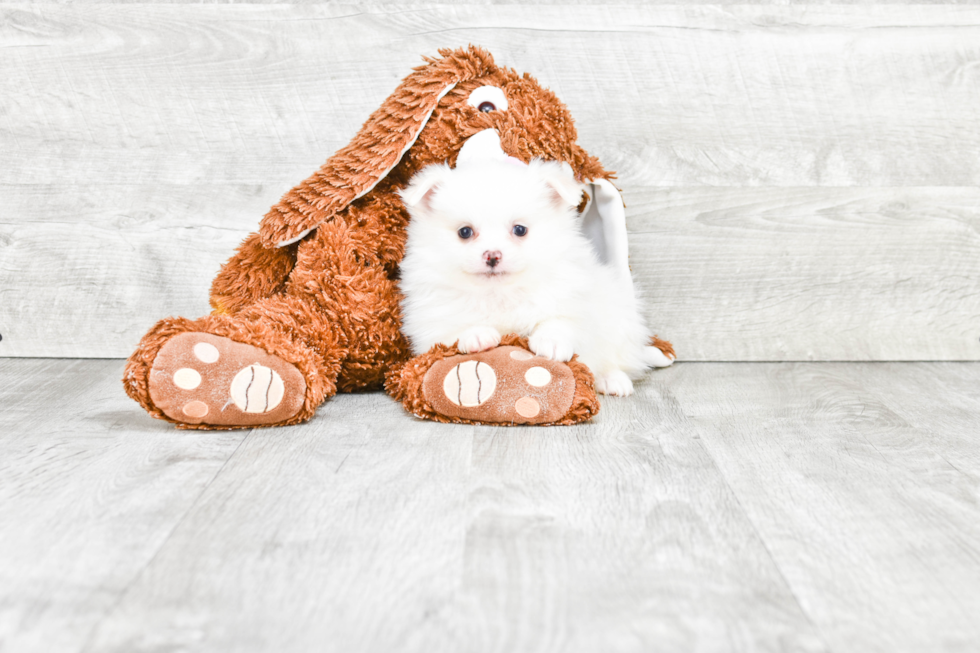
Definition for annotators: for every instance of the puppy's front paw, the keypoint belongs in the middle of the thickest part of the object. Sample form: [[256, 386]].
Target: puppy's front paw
[[614, 383], [478, 339], [549, 347]]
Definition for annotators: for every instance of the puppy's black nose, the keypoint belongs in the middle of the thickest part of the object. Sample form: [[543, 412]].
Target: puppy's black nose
[[491, 258]]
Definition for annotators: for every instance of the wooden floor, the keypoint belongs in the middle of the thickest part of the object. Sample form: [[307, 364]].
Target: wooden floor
[[727, 507]]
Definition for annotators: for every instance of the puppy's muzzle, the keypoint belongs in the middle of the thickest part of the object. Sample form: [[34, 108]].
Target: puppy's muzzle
[[492, 259]]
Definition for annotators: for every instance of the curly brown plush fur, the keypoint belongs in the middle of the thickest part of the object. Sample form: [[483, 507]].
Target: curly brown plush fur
[[317, 285]]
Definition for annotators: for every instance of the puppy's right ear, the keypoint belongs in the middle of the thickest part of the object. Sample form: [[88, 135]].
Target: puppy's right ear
[[423, 187], [566, 191]]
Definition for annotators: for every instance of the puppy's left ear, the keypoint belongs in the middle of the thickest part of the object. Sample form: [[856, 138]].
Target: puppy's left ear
[[560, 178], [423, 186]]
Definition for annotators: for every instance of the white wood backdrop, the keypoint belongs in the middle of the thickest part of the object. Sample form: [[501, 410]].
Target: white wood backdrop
[[803, 182]]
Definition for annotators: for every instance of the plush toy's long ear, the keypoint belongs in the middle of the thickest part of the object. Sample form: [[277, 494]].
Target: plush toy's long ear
[[390, 131], [604, 223]]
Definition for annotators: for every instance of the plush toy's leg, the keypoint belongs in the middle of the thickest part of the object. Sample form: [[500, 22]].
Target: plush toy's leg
[[252, 274], [507, 385], [271, 364]]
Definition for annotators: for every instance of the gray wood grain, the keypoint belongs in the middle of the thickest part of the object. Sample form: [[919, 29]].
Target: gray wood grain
[[811, 274], [343, 534], [949, 425], [845, 471], [725, 507], [366, 530], [141, 143], [89, 492], [617, 536], [718, 95], [728, 274], [616, 3]]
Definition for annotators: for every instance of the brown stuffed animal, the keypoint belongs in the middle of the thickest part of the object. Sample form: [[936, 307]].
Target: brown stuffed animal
[[308, 306]]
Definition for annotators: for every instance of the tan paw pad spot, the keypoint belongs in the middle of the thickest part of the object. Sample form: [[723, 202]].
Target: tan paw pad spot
[[538, 377], [186, 378], [206, 352], [194, 375], [257, 389], [196, 409], [470, 384], [505, 385], [527, 407]]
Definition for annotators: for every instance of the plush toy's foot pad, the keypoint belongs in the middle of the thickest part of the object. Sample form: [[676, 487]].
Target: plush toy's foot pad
[[199, 378], [504, 385]]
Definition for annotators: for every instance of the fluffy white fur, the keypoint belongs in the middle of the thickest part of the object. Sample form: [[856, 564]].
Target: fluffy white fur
[[547, 285]]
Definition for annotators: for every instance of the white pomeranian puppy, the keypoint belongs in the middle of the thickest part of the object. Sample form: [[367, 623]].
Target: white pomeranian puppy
[[496, 247]]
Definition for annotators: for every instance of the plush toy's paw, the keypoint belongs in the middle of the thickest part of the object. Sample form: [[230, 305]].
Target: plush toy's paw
[[199, 378], [478, 339], [507, 385], [614, 383]]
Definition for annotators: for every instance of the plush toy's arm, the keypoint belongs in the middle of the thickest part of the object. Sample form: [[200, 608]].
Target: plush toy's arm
[[253, 273]]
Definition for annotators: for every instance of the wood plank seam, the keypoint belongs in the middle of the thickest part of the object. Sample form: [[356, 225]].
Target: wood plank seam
[[90, 638]]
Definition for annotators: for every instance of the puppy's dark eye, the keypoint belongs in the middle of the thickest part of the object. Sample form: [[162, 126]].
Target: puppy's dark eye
[[487, 107], [519, 230], [465, 233]]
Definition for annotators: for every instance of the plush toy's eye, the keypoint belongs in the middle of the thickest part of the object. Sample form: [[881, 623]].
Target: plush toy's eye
[[519, 230], [487, 98], [465, 233]]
